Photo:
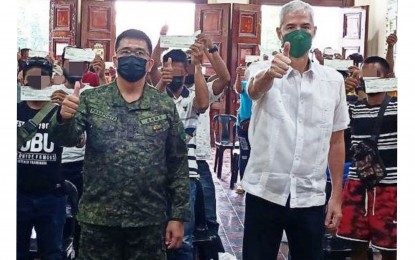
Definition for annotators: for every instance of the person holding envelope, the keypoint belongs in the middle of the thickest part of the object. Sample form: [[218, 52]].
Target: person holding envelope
[[370, 211], [41, 202]]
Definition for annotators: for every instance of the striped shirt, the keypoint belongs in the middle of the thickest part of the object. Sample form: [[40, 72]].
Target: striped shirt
[[188, 116], [363, 118]]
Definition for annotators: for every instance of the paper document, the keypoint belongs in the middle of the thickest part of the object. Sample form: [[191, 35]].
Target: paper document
[[178, 41], [76, 54], [252, 58], [381, 85], [34, 53], [338, 64]]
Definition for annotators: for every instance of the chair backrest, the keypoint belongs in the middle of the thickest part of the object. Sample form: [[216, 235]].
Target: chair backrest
[[226, 124]]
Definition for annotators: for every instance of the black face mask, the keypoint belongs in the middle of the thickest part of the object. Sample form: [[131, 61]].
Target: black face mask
[[176, 83], [132, 68], [189, 80], [71, 79]]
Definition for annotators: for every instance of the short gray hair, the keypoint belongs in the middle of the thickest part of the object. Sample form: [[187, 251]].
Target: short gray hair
[[295, 6]]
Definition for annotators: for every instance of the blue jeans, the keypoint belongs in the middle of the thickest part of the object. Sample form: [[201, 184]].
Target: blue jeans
[[47, 213], [185, 252], [244, 150]]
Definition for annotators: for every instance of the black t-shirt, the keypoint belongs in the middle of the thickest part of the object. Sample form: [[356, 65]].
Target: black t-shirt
[[38, 161]]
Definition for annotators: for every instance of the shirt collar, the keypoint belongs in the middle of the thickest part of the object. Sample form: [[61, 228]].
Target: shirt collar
[[144, 102], [312, 70]]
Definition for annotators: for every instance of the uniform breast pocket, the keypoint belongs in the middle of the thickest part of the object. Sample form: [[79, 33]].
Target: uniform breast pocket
[[102, 134], [155, 134]]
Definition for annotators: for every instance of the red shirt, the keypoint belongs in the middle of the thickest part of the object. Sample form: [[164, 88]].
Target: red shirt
[[91, 78]]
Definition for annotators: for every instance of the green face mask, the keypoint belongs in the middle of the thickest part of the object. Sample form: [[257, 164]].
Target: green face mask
[[300, 42]]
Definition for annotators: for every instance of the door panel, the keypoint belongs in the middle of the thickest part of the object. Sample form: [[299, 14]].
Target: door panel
[[62, 25], [354, 36], [246, 37], [214, 21], [98, 26]]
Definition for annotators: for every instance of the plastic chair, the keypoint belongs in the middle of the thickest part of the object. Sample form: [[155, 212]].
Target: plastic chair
[[234, 160], [224, 140]]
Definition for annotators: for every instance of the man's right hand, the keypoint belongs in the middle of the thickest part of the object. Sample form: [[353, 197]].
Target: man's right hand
[[70, 104], [351, 83], [392, 39], [167, 73], [280, 63]]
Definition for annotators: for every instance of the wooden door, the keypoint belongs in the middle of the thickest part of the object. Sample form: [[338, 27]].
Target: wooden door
[[214, 21], [354, 35], [246, 36], [62, 25], [98, 26]]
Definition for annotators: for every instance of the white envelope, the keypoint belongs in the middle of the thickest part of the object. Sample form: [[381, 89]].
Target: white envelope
[[252, 58], [34, 53], [381, 85], [29, 94], [338, 64], [109, 64], [75, 54], [176, 41]]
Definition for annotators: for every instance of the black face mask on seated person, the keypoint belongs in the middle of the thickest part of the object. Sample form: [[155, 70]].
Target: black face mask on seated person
[[131, 68], [176, 83]]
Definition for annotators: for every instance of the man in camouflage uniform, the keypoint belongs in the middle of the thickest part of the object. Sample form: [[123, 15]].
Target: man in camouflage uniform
[[135, 160]]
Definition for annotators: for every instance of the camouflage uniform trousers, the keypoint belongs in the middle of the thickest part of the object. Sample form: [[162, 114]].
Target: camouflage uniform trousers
[[117, 243]]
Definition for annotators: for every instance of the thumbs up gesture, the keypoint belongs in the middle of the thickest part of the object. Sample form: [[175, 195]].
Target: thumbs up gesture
[[167, 72], [351, 83], [280, 63], [71, 103]]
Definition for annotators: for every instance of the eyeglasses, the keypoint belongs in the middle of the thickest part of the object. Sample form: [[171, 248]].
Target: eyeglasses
[[127, 52]]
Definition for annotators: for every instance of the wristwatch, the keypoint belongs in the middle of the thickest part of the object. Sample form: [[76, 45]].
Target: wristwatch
[[213, 49]]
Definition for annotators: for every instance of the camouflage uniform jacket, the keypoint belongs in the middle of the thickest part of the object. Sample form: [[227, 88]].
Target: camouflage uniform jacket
[[135, 159]]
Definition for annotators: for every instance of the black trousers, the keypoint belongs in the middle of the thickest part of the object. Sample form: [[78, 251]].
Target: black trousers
[[72, 172], [264, 225]]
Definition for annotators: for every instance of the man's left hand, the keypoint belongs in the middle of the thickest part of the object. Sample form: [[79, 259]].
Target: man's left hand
[[174, 234], [99, 66], [334, 214], [197, 53]]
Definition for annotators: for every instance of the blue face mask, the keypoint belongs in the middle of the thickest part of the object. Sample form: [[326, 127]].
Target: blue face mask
[[131, 68]]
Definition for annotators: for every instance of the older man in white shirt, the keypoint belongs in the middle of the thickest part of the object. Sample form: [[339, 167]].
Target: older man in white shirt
[[298, 116]]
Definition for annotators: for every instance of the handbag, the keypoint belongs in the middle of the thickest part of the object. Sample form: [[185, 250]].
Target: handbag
[[369, 164]]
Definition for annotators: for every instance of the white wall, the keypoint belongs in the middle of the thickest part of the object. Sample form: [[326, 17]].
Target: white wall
[[376, 35]]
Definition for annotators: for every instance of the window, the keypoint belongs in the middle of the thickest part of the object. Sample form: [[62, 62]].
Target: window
[[33, 24], [178, 16]]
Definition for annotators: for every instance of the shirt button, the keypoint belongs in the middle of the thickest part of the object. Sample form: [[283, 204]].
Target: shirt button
[[302, 102]]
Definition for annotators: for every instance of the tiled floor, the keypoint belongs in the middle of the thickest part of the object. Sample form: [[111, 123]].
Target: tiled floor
[[230, 210]]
